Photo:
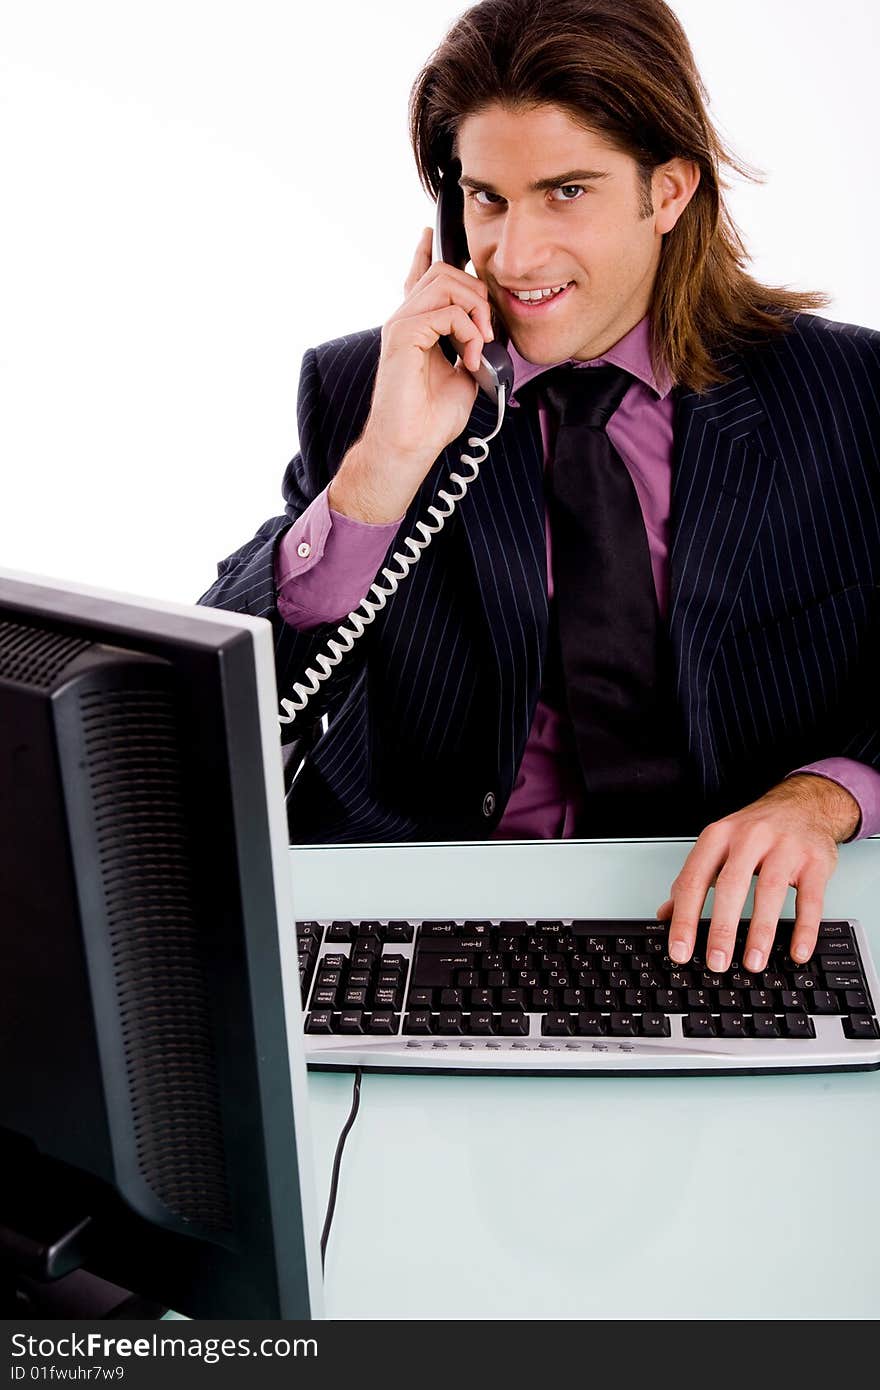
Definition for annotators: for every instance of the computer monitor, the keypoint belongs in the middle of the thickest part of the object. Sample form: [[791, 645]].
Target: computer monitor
[[152, 1082]]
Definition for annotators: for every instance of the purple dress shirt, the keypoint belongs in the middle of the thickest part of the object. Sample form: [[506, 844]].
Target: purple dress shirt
[[326, 562]]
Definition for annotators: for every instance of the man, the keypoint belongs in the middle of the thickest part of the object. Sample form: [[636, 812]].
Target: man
[[654, 613]]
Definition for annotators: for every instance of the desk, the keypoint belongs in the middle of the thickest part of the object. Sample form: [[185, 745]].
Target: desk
[[589, 1197]]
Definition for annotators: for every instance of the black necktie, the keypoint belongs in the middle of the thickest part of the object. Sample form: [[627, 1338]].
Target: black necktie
[[614, 652]]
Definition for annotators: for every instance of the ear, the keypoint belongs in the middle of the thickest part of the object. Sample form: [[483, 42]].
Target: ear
[[672, 186]]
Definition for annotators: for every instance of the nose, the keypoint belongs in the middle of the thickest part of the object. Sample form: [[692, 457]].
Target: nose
[[521, 249]]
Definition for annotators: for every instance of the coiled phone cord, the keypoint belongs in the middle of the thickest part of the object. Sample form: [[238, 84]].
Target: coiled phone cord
[[365, 613]]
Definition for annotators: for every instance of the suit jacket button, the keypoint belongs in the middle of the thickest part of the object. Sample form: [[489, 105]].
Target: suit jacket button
[[489, 804]]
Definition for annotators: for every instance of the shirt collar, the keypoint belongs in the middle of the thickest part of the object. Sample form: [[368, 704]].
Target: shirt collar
[[632, 352]]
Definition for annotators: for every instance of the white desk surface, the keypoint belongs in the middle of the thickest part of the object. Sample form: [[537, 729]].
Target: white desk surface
[[589, 1197]]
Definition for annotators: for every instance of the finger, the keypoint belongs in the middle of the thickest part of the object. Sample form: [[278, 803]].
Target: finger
[[731, 890], [810, 897], [664, 910], [421, 261], [690, 888], [773, 883], [423, 331], [444, 289]]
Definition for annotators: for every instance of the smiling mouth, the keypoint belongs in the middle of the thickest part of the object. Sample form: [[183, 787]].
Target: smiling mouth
[[538, 301]]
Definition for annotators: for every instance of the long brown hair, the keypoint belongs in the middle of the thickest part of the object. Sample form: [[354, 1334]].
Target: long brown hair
[[622, 68]]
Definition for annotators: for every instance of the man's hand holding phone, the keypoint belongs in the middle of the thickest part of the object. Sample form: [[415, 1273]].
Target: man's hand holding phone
[[420, 401]]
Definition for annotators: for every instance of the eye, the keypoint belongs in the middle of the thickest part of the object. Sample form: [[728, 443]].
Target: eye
[[484, 199], [570, 192]]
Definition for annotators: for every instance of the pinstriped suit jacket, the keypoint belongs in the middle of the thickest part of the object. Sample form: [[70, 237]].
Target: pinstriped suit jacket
[[774, 595]]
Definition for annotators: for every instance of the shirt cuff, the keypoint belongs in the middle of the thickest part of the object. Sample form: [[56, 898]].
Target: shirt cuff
[[326, 562], [862, 783]]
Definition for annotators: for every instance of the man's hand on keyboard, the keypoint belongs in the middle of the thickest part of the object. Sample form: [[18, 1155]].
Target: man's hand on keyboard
[[789, 836]]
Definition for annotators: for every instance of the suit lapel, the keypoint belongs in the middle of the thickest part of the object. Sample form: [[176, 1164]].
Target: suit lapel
[[721, 483], [502, 519]]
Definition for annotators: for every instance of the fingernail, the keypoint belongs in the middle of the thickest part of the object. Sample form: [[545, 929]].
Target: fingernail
[[800, 953], [678, 951], [754, 960], [717, 960]]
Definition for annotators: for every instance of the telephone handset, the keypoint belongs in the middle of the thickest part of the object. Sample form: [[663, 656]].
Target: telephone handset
[[495, 377], [450, 245]]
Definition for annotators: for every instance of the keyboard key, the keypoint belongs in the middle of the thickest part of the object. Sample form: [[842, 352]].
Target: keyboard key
[[823, 1001], [857, 1001], [860, 1026], [799, 1025], [681, 979], [556, 1025], [741, 979], [828, 930], [481, 1021], [449, 998], [792, 999], [392, 961], [541, 999], [368, 929], [363, 959], [669, 1001], [385, 998], [574, 998], [733, 1025], [324, 997], [730, 999], [637, 999], [450, 1021], [354, 998], [589, 1023], [841, 946], [384, 1022], [351, 1021], [422, 998], [655, 1025], [417, 1021], [827, 963], [765, 1025], [513, 1024], [468, 979], [399, 931], [340, 931], [835, 981], [605, 999], [771, 979], [699, 999], [698, 1024], [623, 1025], [512, 998], [762, 999], [481, 998], [319, 1021]]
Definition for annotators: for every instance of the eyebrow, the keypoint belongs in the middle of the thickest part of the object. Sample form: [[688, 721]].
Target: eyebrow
[[541, 185]]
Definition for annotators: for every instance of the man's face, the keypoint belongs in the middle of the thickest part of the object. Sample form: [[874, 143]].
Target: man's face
[[550, 204]]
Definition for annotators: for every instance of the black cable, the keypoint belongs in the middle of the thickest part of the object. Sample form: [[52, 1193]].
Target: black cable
[[334, 1177]]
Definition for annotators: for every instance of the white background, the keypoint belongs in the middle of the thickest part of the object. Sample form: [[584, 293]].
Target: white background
[[195, 192]]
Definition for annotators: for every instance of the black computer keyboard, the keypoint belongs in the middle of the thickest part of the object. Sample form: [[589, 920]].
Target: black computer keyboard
[[581, 995]]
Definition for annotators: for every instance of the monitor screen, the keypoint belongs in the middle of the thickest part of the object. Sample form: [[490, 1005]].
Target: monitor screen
[[152, 1083]]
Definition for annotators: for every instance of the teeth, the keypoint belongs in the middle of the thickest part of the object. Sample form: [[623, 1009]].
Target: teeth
[[532, 296]]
